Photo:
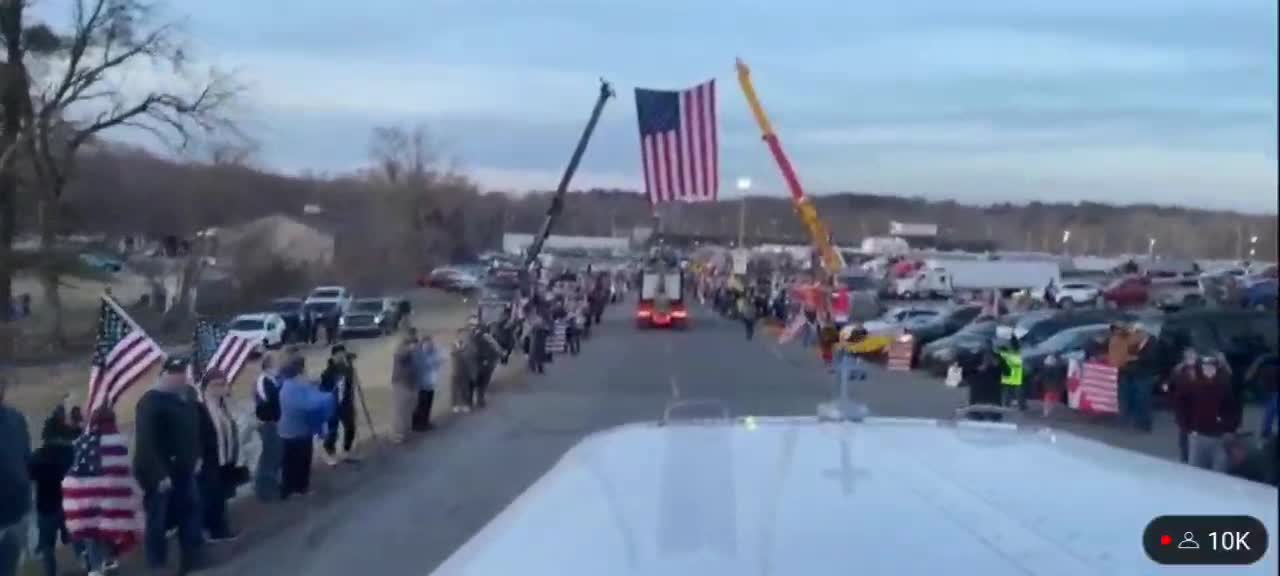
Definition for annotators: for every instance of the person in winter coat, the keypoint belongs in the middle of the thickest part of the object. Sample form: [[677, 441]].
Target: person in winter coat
[[15, 481], [982, 374], [166, 457], [339, 379], [1205, 407], [1138, 378], [1053, 383], [747, 313], [49, 465], [488, 353], [538, 334], [464, 370], [404, 386], [266, 408], [429, 361], [220, 472], [304, 412]]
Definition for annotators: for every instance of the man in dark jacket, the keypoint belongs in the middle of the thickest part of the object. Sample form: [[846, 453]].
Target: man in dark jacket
[[165, 461], [488, 353], [982, 374], [339, 379], [15, 481], [1205, 407]]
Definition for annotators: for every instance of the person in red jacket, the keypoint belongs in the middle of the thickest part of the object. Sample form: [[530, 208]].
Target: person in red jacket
[[1205, 407]]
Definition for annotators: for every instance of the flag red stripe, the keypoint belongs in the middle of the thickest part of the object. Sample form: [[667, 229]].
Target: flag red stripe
[[665, 141], [699, 98], [681, 165]]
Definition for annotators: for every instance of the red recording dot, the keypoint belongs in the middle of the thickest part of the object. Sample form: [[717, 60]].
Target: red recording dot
[[1166, 540]]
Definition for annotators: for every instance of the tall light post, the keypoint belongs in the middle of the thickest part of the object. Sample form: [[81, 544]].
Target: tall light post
[[1253, 246], [744, 185], [1151, 248], [1066, 241]]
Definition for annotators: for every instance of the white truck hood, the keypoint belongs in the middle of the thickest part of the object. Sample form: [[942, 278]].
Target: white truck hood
[[885, 496]]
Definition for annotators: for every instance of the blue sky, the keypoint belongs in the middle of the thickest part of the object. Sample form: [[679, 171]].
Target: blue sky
[[1169, 101]]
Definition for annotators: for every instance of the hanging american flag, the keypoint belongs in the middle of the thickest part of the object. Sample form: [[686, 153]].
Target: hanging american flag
[[100, 498], [123, 353], [678, 146], [213, 347]]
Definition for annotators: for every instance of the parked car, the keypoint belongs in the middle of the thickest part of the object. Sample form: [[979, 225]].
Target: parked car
[[265, 330], [950, 321], [327, 301], [882, 331], [1076, 293], [1260, 295], [1175, 293], [1041, 329], [940, 354], [290, 310], [102, 263], [1127, 292], [367, 316], [454, 279], [1067, 343]]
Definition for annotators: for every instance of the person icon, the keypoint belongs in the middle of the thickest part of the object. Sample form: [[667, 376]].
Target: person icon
[[1188, 542]]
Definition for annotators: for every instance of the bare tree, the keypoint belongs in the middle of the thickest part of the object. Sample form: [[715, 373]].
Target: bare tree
[[87, 94]]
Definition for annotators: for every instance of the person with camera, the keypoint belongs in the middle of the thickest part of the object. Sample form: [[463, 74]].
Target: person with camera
[[339, 379]]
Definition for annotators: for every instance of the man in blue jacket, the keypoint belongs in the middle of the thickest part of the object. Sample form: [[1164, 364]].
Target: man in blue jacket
[[304, 411], [15, 481]]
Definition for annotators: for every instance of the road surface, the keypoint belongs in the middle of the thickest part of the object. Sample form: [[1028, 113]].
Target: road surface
[[407, 512]]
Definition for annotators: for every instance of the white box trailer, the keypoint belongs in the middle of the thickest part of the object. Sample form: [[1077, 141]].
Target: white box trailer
[[1003, 275]]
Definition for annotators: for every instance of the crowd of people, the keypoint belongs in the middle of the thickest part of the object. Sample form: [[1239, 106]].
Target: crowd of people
[[186, 461]]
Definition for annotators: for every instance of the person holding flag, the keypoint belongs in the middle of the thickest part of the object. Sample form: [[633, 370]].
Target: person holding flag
[[220, 471], [100, 499]]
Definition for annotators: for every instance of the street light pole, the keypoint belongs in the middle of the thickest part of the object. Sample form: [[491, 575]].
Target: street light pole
[[1151, 248], [744, 184]]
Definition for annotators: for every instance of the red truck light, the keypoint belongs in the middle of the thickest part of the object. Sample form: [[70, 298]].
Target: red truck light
[[679, 314], [643, 313]]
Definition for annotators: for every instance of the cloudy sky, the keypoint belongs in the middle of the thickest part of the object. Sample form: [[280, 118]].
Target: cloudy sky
[[1168, 101]]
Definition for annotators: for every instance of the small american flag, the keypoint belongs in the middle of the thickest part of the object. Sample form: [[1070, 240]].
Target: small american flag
[[122, 354], [213, 347], [678, 144], [1098, 383], [100, 498]]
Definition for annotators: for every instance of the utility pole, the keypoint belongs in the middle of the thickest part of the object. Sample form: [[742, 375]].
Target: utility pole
[[744, 185]]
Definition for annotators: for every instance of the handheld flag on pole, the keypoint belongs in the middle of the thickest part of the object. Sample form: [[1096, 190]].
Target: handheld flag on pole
[[213, 347], [122, 354]]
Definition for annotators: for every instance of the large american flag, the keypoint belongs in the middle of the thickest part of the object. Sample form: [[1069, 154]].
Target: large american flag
[[100, 498], [123, 353], [213, 347], [1096, 387], [678, 145]]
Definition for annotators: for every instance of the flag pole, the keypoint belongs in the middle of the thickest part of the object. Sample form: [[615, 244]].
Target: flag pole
[[364, 406]]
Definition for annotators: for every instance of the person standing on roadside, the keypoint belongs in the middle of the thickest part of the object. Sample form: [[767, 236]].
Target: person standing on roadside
[[982, 374], [487, 354], [166, 458], [1119, 353], [1141, 373], [464, 368], [404, 386], [304, 411], [49, 465], [538, 333], [747, 313], [1184, 376], [339, 379], [15, 481], [428, 359], [266, 408], [220, 471], [1205, 408]]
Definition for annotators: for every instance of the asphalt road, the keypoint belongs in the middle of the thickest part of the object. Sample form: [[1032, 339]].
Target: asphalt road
[[406, 513]]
